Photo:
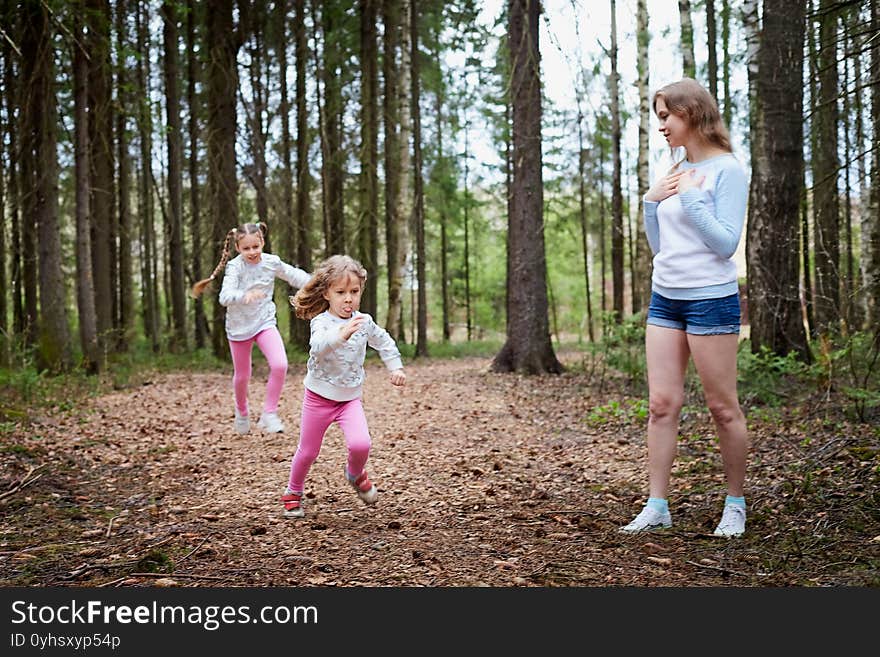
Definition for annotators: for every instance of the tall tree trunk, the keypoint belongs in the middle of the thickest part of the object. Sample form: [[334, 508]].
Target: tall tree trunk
[[418, 186], [711, 38], [642, 286], [391, 112], [303, 179], [872, 274], [331, 135], [865, 218], [102, 188], [848, 282], [616, 192], [752, 29], [126, 305], [41, 127], [288, 218], [7, 185], [32, 25], [825, 173], [258, 170], [85, 291], [4, 310], [528, 348], [175, 172], [369, 203], [467, 245], [725, 66], [13, 93], [405, 199], [199, 320], [149, 295], [603, 242], [582, 213], [442, 179], [777, 173], [688, 62], [808, 200], [222, 86]]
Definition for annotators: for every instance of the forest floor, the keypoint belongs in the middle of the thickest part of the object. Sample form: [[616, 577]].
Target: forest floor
[[484, 480]]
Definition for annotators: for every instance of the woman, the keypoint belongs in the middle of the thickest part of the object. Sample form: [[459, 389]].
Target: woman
[[693, 218]]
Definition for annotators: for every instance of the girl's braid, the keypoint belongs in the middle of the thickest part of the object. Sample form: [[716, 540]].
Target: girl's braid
[[199, 287]]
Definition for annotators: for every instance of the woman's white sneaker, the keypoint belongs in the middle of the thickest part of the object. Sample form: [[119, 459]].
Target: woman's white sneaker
[[648, 520], [733, 521]]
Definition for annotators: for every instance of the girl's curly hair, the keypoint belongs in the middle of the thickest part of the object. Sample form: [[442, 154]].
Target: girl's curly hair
[[309, 301]]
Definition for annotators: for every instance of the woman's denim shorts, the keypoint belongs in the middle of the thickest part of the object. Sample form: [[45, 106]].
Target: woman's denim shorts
[[696, 316]]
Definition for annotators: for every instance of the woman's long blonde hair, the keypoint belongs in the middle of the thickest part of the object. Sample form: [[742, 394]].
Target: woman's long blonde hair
[[691, 101], [309, 301], [236, 234]]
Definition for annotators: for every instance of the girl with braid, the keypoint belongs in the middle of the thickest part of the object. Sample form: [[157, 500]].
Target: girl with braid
[[248, 285]]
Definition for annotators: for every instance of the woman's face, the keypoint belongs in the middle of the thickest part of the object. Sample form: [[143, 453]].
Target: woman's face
[[344, 295], [251, 247], [672, 126]]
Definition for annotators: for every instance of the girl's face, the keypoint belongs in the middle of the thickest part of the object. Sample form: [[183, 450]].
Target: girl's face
[[344, 295], [672, 126], [251, 247]]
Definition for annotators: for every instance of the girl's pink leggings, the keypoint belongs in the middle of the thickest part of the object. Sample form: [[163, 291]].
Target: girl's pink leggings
[[270, 343], [318, 413]]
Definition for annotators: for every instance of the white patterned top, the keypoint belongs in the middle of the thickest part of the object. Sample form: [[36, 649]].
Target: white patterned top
[[336, 366], [245, 320]]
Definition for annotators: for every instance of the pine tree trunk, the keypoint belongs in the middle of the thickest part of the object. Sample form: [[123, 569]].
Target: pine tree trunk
[[861, 295], [258, 170], [711, 38], [12, 95], [303, 178], [688, 62], [777, 171], [29, 128], [332, 133], [643, 257], [603, 242], [528, 348], [582, 213], [369, 222], [102, 188], [222, 86], [467, 245], [848, 283], [199, 320], [391, 112], [405, 198], [418, 187], [126, 318], [85, 292], [6, 185], [616, 192], [149, 306], [825, 173], [725, 66], [442, 207], [872, 275], [54, 346], [287, 221], [175, 173]]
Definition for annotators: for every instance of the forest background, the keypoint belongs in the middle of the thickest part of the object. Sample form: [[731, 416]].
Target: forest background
[[497, 210], [136, 134]]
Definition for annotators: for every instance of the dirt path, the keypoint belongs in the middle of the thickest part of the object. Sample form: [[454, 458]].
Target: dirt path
[[484, 479]]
